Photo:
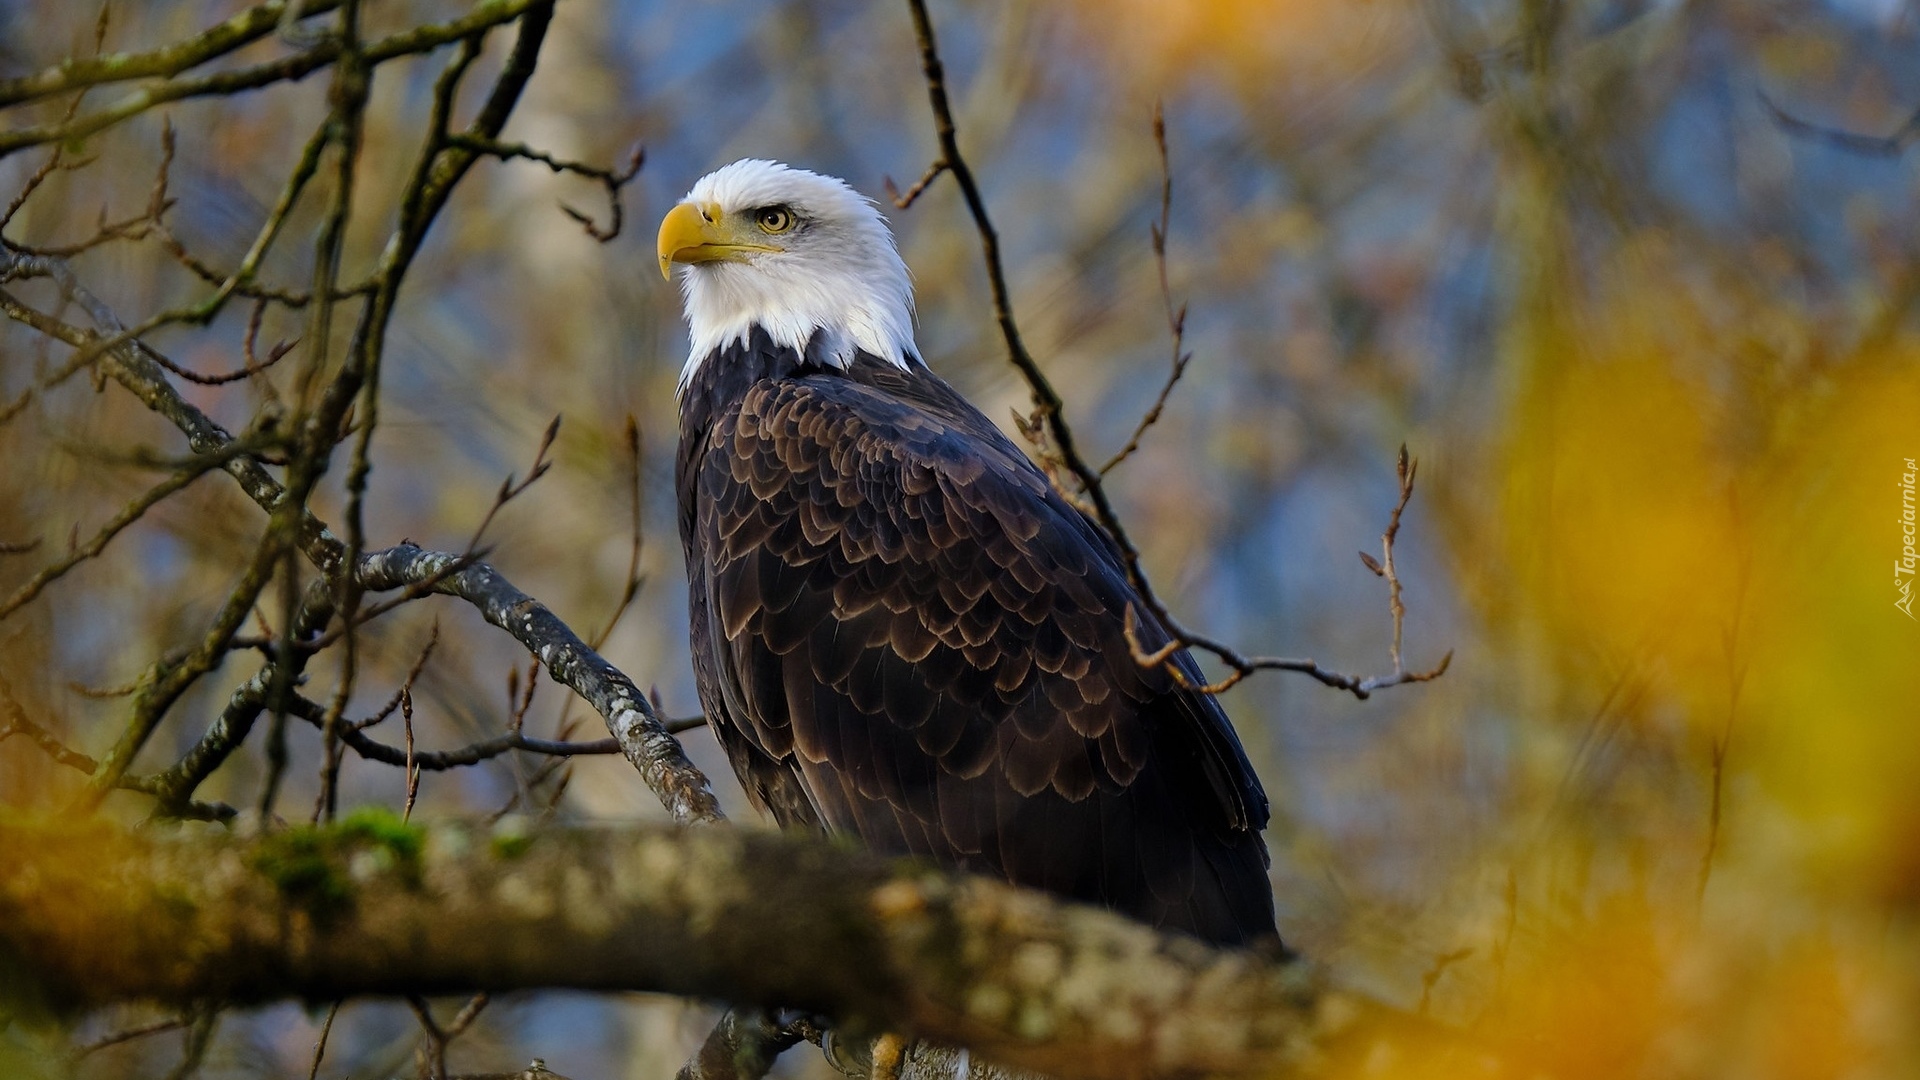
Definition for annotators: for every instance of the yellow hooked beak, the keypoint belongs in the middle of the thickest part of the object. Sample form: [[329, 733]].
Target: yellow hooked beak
[[694, 234]]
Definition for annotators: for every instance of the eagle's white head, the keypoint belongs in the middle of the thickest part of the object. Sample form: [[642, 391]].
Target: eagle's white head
[[794, 253]]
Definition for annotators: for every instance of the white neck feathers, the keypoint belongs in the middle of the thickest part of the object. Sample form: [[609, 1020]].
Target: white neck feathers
[[838, 273]]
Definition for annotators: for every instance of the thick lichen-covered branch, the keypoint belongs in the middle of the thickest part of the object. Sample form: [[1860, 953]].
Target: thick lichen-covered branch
[[91, 914]]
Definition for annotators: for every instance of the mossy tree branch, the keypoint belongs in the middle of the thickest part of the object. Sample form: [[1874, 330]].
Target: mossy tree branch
[[90, 914]]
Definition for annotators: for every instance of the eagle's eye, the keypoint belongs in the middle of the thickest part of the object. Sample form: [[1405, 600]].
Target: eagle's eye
[[773, 219]]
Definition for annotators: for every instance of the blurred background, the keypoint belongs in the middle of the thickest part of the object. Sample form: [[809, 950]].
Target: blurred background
[[1608, 269]]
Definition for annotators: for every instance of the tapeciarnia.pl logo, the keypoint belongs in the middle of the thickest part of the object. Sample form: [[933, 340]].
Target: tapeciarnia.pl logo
[[1903, 566]]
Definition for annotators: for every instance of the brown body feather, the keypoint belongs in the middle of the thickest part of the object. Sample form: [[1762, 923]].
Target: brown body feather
[[902, 632]]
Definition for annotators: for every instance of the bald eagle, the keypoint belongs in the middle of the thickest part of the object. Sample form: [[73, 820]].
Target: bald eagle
[[900, 630]]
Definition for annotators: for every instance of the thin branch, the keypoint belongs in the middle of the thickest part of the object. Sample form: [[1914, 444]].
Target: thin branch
[[438, 168], [132, 365], [138, 227], [613, 180], [440, 761], [510, 488], [167, 681], [268, 687], [1892, 145], [433, 1049], [217, 41], [241, 279], [56, 161], [1404, 468], [412, 764], [403, 697], [1176, 316], [320, 1044], [433, 1052], [346, 121], [17, 723], [919, 187], [156, 1027], [128, 514], [635, 497], [485, 14]]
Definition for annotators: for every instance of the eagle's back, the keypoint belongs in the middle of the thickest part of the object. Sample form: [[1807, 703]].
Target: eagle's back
[[901, 631]]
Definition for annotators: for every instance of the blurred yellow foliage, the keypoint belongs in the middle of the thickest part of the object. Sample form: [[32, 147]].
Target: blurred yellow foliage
[[1713, 524], [1732, 546], [1257, 43]]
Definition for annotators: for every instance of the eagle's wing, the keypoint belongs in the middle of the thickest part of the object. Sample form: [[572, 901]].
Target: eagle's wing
[[905, 623]]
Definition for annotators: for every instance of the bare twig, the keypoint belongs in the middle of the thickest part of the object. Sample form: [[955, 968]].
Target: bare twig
[[17, 406], [56, 162], [487, 13], [1176, 316], [432, 1054], [613, 180], [346, 123], [403, 697], [241, 280], [412, 765], [141, 1031], [511, 488], [919, 186], [520, 700], [34, 179], [320, 1044], [414, 760], [128, 514], [251, 368], [268, 687], [468, 1013], [17, 723], [635, 496], [1404, 469], [1431, 977], [167, 681], [137, 227], [1892, 145]]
